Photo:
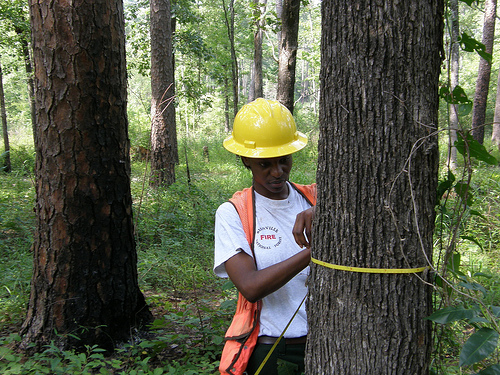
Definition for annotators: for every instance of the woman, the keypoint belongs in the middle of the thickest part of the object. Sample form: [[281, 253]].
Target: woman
[[268, 259]]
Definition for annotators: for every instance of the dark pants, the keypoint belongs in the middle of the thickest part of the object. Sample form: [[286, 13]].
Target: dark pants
[[288, 358]]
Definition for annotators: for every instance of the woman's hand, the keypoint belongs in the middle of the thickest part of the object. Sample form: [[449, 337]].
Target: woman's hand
[[302, 228]]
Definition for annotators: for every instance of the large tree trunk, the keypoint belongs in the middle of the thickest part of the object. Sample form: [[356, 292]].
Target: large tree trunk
[[164, 153], [288, 52], [6, 159], [484, 73], [85, 274], [454, 69], [377, 178]]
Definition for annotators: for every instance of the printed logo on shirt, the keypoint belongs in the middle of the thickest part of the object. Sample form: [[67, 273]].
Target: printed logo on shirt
[[267, 238]]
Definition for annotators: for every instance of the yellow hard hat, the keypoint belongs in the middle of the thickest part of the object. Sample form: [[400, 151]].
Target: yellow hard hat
[[264, 129]]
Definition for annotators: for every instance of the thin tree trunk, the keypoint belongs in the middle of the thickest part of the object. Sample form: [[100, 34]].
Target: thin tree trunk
[[257, 79], [229, 19], [29, 77], [6, 158], [495, 135], [288, 53], [377, 177], [454, 78], [484, 73], [226, 105]]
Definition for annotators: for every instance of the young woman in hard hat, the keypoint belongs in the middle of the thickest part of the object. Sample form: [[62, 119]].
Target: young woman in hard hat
[[264, 135]]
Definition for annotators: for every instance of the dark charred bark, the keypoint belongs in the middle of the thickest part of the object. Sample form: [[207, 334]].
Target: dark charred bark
[[85, 263]]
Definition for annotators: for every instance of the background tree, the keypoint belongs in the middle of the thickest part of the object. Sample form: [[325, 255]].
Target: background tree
[[484, 72], [454, 55], [377, 179], [5, 132], [495, 134], [257, 85], [229, 21], [84, 279], [164, 154], [288, 52], [16, 14]]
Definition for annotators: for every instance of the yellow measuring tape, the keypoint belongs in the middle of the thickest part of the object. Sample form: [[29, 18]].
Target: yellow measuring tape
[[369, 270], [278, 339]]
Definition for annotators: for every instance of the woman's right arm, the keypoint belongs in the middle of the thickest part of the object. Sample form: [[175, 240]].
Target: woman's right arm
[[256, 284]]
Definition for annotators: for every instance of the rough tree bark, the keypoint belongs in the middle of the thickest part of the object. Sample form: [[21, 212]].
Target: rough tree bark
[[288, 52], [84, 279], [164, 151], [377, 178]]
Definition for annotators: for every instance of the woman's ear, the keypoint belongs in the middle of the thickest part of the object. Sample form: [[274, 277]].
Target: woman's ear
[[245, 163]]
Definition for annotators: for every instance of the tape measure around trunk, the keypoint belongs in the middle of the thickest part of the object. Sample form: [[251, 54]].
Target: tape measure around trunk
[[369, 270]]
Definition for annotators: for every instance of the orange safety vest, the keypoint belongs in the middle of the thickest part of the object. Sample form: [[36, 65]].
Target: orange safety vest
[[241, 336]]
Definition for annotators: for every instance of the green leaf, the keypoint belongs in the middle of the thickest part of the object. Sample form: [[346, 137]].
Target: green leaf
[[454, 262], [495, 310], [464, 109], [473, 286], [477, 213], [464, 193], [445, 185], [228, 285], [468, 2], [479, 346], [473, 240], [470, 44], [491, 370], [474, 149], [452, 314]]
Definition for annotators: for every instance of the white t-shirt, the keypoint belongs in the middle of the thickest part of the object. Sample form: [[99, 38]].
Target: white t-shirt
[[273, 243]]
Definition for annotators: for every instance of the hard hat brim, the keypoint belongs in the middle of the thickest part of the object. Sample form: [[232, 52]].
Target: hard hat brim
[[265, 152]]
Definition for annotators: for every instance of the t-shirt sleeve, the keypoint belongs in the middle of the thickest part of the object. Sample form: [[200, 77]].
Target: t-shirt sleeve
[[229, 237]]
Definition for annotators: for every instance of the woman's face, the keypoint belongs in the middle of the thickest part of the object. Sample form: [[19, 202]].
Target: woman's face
[[270, 175]]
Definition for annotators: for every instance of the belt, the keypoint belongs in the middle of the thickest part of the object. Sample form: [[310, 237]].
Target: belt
[[288, 341]]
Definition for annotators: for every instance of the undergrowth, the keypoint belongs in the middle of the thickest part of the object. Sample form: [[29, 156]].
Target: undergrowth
[[192, 307]]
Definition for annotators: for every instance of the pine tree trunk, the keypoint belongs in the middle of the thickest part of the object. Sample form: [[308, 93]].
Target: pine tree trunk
[[164, 151], [85, 273], [377, 178]]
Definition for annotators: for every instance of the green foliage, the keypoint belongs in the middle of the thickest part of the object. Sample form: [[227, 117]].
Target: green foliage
[[469, 312]]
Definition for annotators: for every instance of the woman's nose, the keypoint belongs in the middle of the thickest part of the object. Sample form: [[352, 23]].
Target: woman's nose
[[276, 170]]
